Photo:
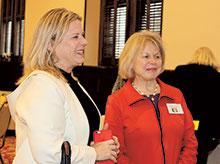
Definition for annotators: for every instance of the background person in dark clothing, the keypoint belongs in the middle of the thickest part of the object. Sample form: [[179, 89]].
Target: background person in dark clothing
[[200, 83]]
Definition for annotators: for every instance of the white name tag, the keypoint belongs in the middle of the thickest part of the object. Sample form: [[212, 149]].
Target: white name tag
[[174, 108]]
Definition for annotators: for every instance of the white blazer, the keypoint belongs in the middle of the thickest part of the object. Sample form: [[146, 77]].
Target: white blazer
[[47, 112]]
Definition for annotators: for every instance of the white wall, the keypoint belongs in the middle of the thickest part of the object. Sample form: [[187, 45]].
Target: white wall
[[187, 25], [34, 9], [92, 32]]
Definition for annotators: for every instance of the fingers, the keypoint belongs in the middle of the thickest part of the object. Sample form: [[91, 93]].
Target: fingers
[[115, 149], [106, 150], [116, 143], [114, 157], [115, 138], [114, 154]]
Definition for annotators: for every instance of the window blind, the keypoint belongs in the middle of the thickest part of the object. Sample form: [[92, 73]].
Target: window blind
[[120, 30], [12, 28], [117, 20], [152, 17]]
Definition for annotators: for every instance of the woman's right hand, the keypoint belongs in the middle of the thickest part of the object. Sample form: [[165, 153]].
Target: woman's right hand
[[106, 150]]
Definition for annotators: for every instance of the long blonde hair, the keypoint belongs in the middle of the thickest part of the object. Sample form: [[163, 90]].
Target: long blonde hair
[[135, 45], [50, 30], [204, 56]]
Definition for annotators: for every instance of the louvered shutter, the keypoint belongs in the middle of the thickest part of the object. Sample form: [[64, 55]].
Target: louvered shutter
[[117, 22]]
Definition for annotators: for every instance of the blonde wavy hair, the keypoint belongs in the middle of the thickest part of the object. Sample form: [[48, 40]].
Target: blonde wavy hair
[[204, 56], [135, 45], [51, 28]]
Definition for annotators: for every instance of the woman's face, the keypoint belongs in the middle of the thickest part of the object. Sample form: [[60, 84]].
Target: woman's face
[[148, 64], [70, 51]]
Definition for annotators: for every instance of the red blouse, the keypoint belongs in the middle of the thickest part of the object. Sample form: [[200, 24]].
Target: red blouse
[[132, 118]]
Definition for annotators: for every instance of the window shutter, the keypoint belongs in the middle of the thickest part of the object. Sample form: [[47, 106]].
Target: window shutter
[[12, 29], [114, 27], [120, 30], [151, 16], [136, 14], [107, 48]]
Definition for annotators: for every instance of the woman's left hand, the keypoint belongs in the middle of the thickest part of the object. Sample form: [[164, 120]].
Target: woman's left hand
[[106, 126], [116, 144]]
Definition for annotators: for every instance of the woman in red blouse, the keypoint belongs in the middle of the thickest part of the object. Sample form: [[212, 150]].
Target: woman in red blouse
[[150, 118]]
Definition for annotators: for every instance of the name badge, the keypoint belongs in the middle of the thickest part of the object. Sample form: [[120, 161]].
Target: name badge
[[174, 108]]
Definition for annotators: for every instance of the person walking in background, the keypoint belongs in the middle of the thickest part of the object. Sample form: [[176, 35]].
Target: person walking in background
[[150, 118], [200, 83], [50, 106]]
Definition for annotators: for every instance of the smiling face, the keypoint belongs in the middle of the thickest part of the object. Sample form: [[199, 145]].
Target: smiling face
[[70, 51], [148, 64]]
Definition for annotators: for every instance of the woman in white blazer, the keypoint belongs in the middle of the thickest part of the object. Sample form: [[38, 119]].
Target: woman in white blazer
[[50, 106]]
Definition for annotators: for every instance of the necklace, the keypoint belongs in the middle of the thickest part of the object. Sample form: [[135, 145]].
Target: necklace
[[151, 95]]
